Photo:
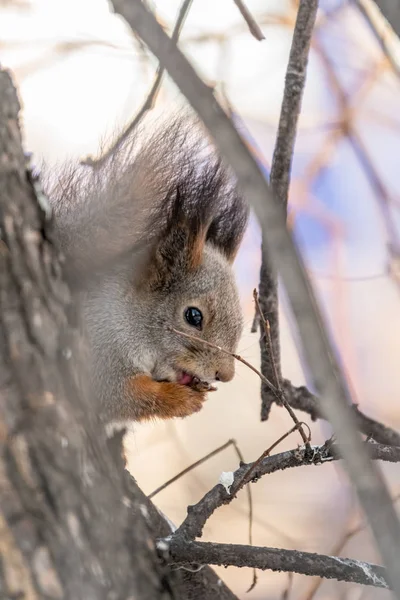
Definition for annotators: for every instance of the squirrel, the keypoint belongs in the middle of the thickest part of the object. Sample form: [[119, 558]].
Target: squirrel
[[149, 239]]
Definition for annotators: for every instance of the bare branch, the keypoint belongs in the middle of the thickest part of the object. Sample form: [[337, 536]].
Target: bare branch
[[249, 475], [302, 399], [185, 551], [265, 326], [197, 464], [198, 514], [371, 22], [292, 97], [150, 101], [391, 11], [327, 377], [280, 180], [254, 28]]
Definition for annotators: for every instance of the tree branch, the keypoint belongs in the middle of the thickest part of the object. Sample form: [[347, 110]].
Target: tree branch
[[380, 38], [327, 377], [199, 513], [149, 103], [181, 547], [301, 398], [253, 26], [280, 180], [184, 551], [391, 11]]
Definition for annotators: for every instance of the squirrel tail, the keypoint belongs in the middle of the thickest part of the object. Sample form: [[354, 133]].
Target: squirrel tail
[[156, 180]]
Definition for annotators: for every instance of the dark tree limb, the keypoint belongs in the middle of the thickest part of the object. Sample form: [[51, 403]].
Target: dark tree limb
[[181, 546], [301, 398], [188, 584], [198, 514], [280, 181], [73, 524], [327, 377], [184, 551]]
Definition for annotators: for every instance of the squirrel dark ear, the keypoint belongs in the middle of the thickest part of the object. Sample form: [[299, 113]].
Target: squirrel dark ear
[[180, 247], [227, 228], [202, 207]]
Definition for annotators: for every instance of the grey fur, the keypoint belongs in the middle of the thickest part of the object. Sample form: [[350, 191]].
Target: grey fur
[[131, 235]]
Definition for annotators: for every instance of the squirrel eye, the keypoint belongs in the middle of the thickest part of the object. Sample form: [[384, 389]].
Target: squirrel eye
[[194, 317]]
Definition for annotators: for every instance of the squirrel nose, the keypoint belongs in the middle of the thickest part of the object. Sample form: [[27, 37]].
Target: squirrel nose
[[226, 373]]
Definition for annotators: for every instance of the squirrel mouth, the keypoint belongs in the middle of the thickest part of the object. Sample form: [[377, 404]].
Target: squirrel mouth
[[185, 378]]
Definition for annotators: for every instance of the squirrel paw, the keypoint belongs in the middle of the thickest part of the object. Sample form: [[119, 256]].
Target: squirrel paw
[[163, 399]]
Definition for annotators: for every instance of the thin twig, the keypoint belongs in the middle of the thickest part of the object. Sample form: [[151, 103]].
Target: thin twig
[[192, 466], [327, 377], [185, 551], [198, 514], [251, 518], [267, 331], [288, 588], [253, 26], [151, 98], [248, 489], [249, 475], [295, 80], [235, 356]]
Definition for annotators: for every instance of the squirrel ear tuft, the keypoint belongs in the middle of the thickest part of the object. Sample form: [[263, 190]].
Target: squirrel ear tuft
[[203, 206], [179, 248], [227, 229], [193, 221]]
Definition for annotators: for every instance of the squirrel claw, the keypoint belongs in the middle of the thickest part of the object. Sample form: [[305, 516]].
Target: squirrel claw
[[202, 386]]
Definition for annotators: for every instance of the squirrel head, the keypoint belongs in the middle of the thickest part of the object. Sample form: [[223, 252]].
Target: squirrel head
[[192, 290], [149, 239], [188, 282]]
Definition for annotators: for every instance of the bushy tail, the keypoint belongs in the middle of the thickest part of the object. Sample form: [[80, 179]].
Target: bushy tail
[[140, 193]]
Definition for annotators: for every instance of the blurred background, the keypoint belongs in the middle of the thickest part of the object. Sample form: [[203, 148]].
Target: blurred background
[[82, 76]]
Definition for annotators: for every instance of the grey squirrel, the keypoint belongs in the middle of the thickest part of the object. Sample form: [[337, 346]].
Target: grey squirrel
[[149, 241]]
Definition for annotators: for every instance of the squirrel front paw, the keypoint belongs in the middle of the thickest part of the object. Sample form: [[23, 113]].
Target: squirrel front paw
[[163, 399]]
